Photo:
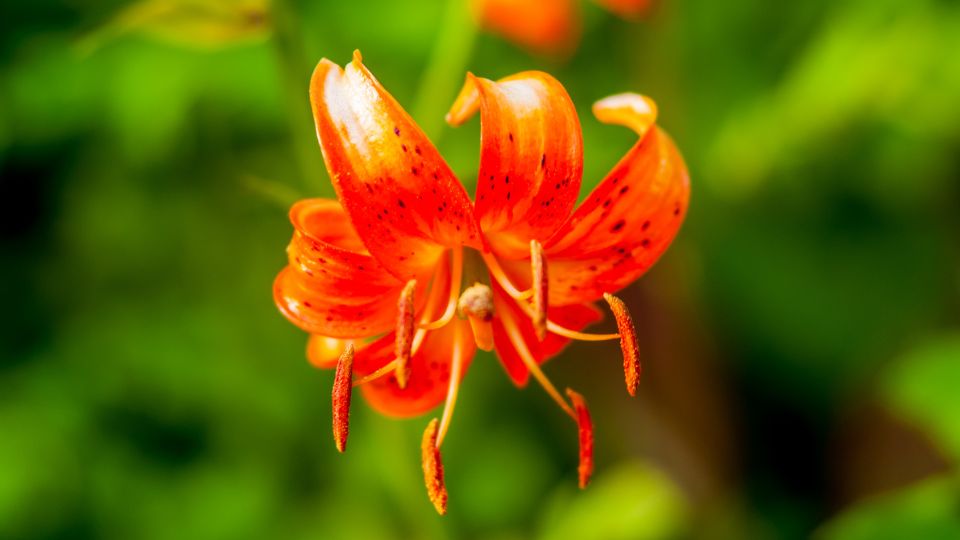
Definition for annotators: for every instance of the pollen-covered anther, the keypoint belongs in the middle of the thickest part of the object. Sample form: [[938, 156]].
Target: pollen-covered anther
[[476, 303], [628, 342], [433, 468], [538, 269], [404, 333], [342, 391], [585, 431]]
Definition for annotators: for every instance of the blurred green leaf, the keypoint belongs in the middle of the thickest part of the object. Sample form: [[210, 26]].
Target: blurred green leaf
[[197, 23], [632, 501], [927, 510], [923, 386]]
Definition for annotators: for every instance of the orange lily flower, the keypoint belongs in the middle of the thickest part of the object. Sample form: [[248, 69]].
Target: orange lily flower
[[544, 25], [378, 278]]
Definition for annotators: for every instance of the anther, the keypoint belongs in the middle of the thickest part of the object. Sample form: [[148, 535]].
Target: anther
[[342, 390], [404, 334], [476, 303], [538, 269], [628, 342], [585, 429], [433, 468]]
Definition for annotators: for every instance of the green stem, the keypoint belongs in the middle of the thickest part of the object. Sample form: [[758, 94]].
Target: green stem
[[446, 67], [295, 73]]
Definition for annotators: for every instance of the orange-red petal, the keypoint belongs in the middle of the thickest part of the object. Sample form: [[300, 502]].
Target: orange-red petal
[[550, 26], [324, 352], [531, 157], [331, 285], [509, 317], [625, 224], [403, 199], [585, 431], [429, 370]]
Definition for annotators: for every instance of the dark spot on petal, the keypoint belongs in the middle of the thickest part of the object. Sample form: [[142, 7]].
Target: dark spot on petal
[[414, 171], [645, 226], [624, 189], [506, 179], [396, 131], [308, 304], [511, 136], [417, 150], [404, 147], [618, 225], [645, 243], [543, 160], [593, 268], [607, 203], [508, 195], [401, 204]]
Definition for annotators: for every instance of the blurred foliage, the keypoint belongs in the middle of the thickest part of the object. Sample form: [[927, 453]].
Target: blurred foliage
[[149, 388]]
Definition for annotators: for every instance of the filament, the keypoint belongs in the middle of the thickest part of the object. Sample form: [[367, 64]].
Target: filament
[[520, 345], [456, 368], [451, 309]]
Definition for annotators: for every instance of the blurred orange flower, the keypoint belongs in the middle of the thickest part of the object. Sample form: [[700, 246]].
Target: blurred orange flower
[[378, 277], [551, 26]]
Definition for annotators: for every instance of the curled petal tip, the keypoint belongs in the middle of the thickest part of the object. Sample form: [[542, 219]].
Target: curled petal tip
[[634, 111], [628, 342], [404, 333], [433, 468], [585, 432], [342, 390], [357, 57], [467, 102]]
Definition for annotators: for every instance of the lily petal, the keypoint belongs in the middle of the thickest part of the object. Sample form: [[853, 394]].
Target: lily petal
[[549, 26], [401, 196], [531, 157], [509, 317], [429, 370], [626, 223], [324, 352], [332, 286]]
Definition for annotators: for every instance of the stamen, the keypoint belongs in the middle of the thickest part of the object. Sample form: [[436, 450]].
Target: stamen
[[496, 271], [433, 468], [538, 268], [501, 278], [476, 303], [404, 337], [455, 278], [628, 342], [585, 428], [456, 370], [510, 325], [342, 391]]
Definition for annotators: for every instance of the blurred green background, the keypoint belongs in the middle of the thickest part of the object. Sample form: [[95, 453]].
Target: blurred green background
[[800, 339]]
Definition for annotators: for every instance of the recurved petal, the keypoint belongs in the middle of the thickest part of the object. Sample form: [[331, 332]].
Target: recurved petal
[[429, 370], [626, 223], [531, 157], [331, 285], [324, 352], [509, 318], [548, 26], [402, 198]]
